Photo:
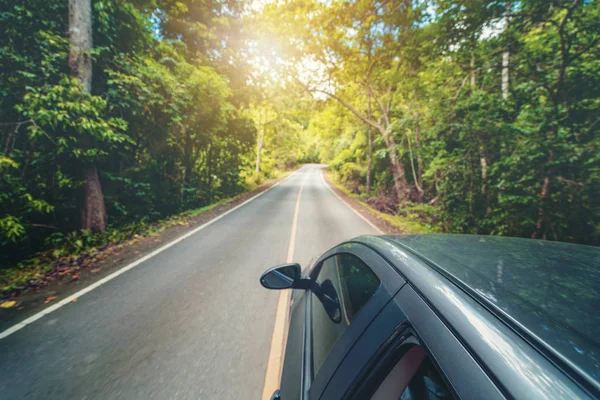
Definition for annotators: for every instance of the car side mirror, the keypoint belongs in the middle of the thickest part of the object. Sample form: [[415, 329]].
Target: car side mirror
[[285, 276]]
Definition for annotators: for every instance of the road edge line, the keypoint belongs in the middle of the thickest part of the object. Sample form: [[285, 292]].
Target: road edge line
[[276, 351], [372, 225], [20, 325]]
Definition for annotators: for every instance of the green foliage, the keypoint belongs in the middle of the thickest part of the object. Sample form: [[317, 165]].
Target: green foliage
[[162, 125], [472, 155], [352, 173]]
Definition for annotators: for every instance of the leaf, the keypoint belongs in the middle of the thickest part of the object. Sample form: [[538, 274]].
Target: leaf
[[74, 300], [8, 304], [93, 271], [49, 299], [75, 277]]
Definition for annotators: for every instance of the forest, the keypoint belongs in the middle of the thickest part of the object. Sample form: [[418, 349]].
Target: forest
[[468, 116]]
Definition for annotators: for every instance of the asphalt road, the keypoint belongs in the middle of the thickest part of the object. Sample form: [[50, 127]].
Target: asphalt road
[[190, 323]]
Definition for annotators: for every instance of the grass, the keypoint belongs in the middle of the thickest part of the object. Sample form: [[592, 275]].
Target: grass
[[403, 223]]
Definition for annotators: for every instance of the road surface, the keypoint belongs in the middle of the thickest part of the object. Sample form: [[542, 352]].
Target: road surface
[[192, 322]]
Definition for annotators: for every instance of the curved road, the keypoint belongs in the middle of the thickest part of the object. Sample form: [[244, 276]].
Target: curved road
[[191, 322]]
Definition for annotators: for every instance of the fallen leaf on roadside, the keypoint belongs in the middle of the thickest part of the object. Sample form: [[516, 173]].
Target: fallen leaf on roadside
[[93, 271], [8, 304], [74, 300], [50, 298], [74, 277]]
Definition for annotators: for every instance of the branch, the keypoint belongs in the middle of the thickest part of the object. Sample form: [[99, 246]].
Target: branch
[[568, 15], [378, 103], [389, 91], [8, 147], [589, 129], [564, 51], [15, 123], [412, 164], [570, 182], [352, 109], [270, 122], [45, 226], [593, 43], [462, 85], [44, 132]]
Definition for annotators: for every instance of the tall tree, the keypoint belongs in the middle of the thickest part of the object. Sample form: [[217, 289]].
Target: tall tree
[[506, 55], [369, 148], [93, 214]]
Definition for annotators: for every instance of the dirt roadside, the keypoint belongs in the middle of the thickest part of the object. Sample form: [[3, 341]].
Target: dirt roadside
[[90, 268], [385, 226]]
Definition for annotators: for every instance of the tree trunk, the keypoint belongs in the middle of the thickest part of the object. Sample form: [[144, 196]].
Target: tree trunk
[[260, 139], [93, 215], [419, 158], [539, 226], [418, 175], [80, 41], [10, 140], [483, 163], [542, 218], [188, 159], [210, 166], [80, 62], [369, 150], [482, 158], [398, 171], [412, 165], [473, 73], [506, 57]]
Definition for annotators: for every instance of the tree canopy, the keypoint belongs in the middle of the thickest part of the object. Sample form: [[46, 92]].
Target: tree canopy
[[481, 116]]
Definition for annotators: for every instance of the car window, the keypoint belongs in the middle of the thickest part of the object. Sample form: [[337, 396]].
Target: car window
[[346, 285], [414, 377], [358, 283]]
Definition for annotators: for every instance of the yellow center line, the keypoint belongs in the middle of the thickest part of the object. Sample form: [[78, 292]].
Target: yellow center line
[[273, 374]]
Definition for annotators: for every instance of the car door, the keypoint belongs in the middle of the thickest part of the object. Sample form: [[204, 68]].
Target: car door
[[408, 352], [356, 284], [293, 367]]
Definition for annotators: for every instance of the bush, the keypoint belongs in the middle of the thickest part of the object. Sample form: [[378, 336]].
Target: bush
[[352, 176]]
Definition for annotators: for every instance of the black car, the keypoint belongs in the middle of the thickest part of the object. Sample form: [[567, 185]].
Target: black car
[[443, 316]]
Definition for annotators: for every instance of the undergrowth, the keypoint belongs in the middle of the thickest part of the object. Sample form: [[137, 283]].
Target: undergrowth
[[71, 248], [410, 219], [80, 244]]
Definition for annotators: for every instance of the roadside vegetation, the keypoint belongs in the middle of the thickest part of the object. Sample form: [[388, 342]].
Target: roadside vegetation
[[406, 221], [445, 115], [478, 116], [69, 252], [78, 250]]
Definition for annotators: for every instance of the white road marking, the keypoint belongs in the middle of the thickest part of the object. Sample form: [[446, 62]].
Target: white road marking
[[349, 206], [134, 264], [274, 364]]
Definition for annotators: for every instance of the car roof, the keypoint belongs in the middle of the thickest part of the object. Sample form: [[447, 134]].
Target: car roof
[[548, 292]]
